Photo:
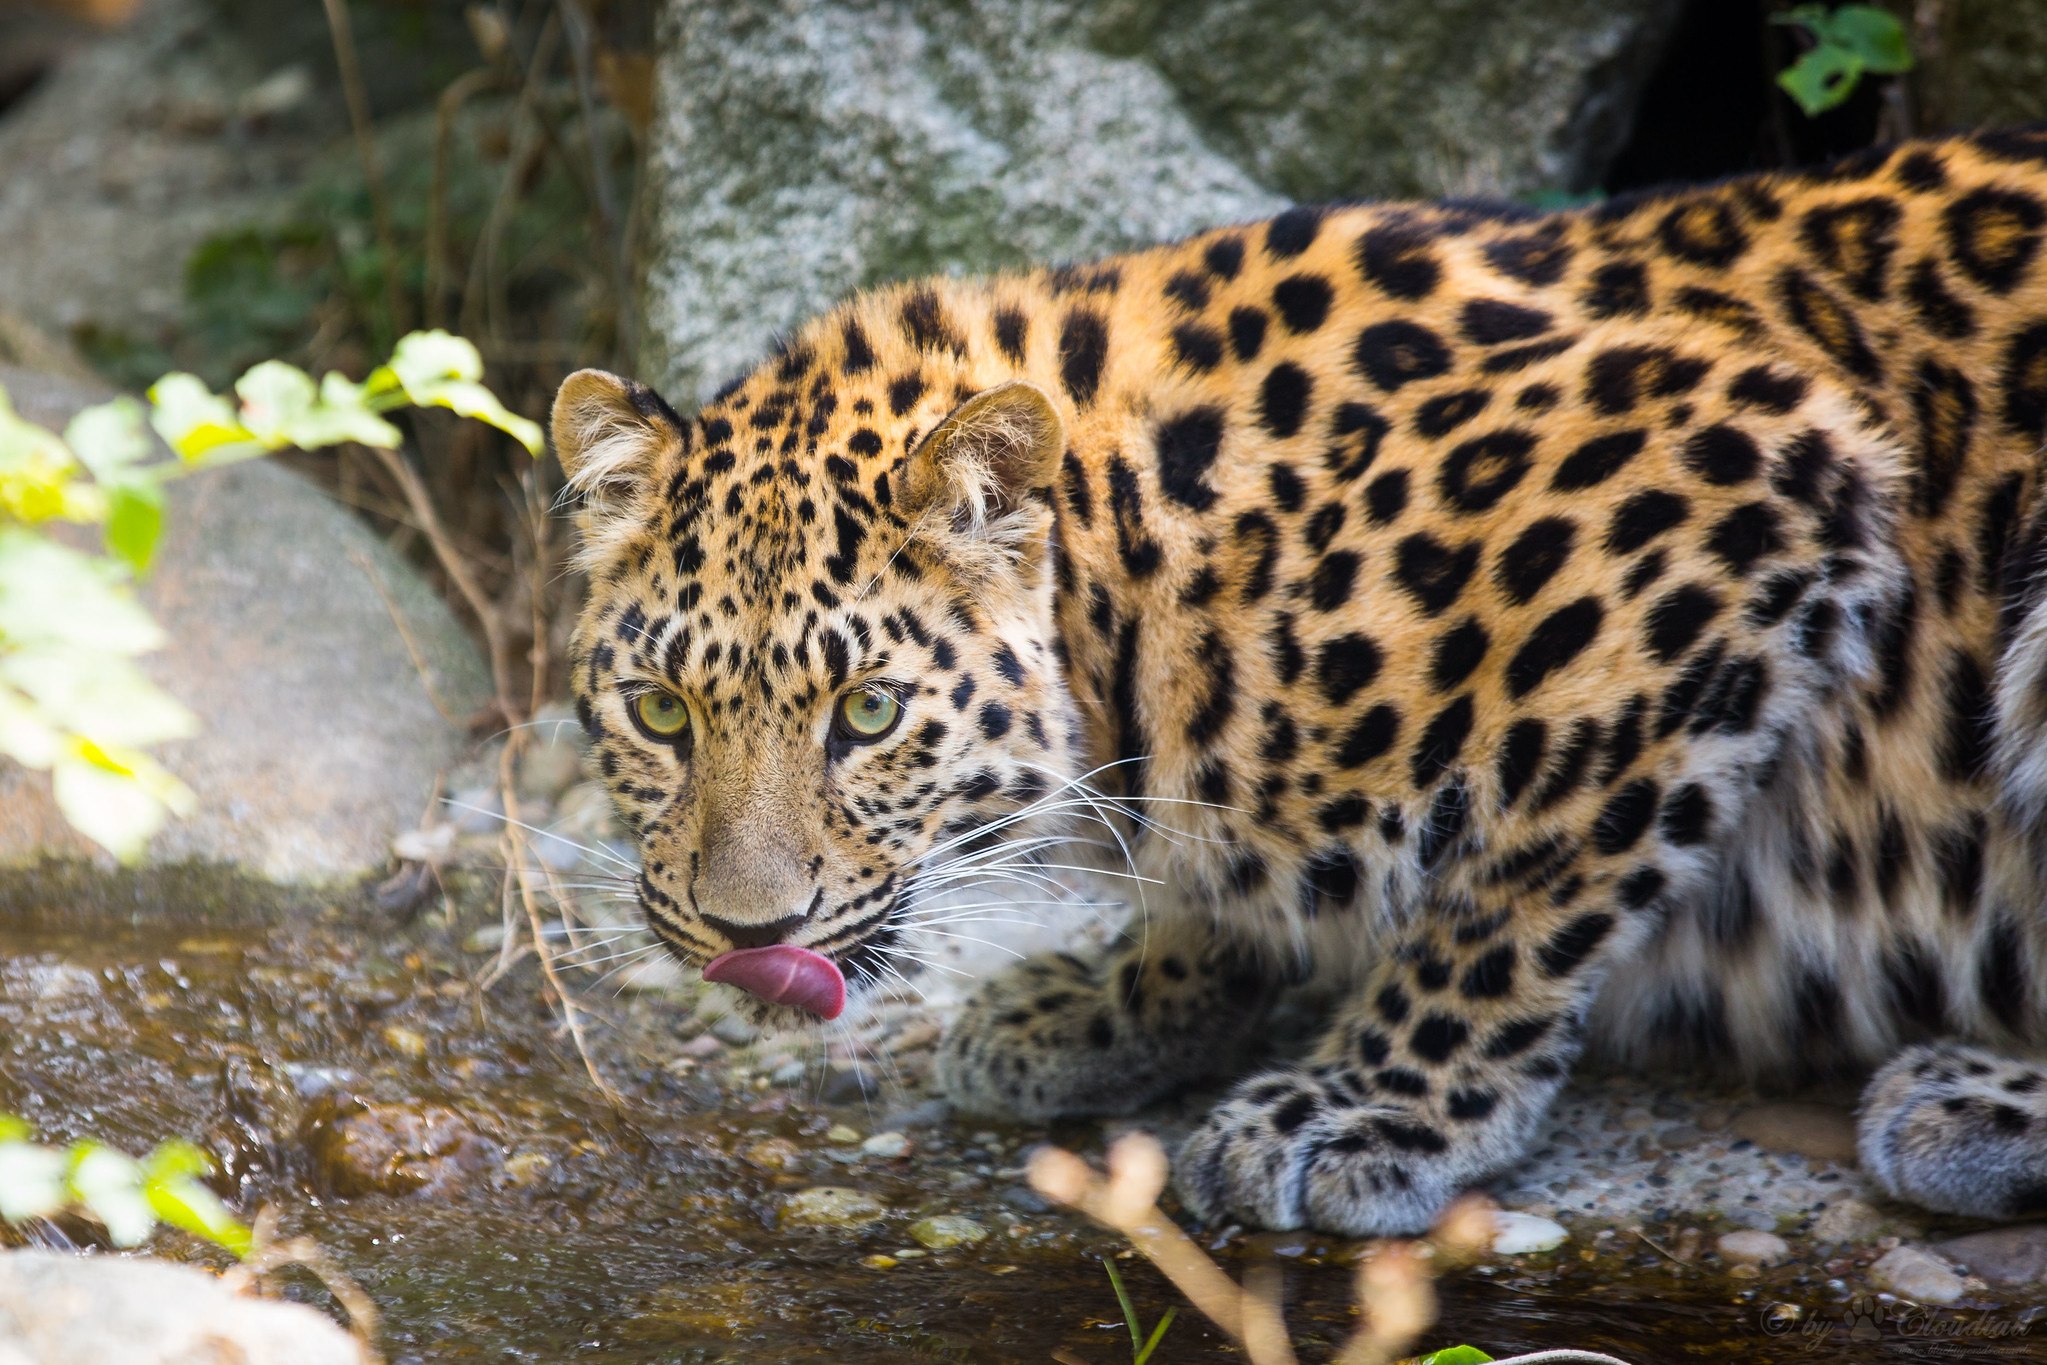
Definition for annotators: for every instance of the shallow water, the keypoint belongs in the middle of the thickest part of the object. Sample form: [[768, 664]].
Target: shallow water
[[447, 1148]]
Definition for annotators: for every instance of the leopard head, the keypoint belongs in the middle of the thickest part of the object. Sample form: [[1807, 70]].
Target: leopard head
[[817, 663]]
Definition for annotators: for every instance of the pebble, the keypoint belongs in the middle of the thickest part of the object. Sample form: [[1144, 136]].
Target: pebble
[[947, 1230], [407, 1042], [1517, 1234], [426, 1149], [788, 1073], [734, 1030], [2015, 1257], [526, 1168], [1752, 1248], [1913, 1274], [1848, 1221], [772, 1154], [886, 1146], [839, 1132], [831, 1206], [553, 759], [1823, 1132], [477, 810], [878, 1262]]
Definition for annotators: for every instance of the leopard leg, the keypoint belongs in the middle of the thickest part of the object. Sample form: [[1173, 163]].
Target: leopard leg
[[1061, 1035], [1958, 1129], [1433, 1076]]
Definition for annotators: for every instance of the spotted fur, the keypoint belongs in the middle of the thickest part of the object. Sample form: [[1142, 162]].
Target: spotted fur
[[1620, 627]]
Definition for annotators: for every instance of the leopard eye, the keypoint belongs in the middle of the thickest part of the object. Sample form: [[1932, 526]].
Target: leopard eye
[[868, 713], [661, 714]]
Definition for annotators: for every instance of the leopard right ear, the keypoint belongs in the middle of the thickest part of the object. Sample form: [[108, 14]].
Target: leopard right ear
[[610, 433]]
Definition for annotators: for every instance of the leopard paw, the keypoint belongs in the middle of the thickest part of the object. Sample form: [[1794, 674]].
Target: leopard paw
[[1957, 1129], [1289, 1149]]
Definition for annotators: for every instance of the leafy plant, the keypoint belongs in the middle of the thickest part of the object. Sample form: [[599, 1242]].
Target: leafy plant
[[1847, 41], [127, 1197], [1455, 1355], [1141, 1345], [72, 700]]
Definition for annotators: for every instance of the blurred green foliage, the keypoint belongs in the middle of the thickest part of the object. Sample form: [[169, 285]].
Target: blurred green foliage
[[1847, 42]]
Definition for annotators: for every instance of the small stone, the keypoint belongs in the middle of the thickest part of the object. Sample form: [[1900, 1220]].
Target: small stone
[[426, 1149], [1848, 1221], [2013, 1257], [553, 757], [734, 1030], [407, 1042], [772, 1154], [525, 1168], [911, 1253], [1714, 1117], [1822, 1132], [477, 810], [947, 1230], [878, 1262], [788, 1073], [886, 1146], [1517, 1234], [1752, 1248], [1679, 1136], [1919, 1276], [839, 1132], [424, 845], [831, 1206]]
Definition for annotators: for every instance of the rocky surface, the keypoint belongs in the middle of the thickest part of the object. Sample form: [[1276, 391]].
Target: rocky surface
[[807, 149], [97, 1310], [320, 736]]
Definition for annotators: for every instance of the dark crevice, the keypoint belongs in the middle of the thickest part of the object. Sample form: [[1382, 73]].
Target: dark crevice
[[1712, 107]]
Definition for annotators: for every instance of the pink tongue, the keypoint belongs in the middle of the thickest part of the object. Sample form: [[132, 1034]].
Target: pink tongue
[[783, 974]]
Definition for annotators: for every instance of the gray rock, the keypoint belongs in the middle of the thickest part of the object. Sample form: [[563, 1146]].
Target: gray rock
[[1752, 1248], [1913, 1274], [320, 740], [92, 1310], [2015, 1257], [807, 148], [1403, 97]]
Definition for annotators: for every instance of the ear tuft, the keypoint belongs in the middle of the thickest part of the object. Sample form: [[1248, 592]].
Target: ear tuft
[[609, 432], [978, 467]]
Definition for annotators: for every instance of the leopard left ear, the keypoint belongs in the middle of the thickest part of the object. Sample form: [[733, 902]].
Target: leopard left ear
[[977, 470], [609, 434]]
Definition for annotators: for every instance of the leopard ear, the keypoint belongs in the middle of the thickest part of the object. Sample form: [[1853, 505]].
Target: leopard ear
[[976, 472], [609, 434]]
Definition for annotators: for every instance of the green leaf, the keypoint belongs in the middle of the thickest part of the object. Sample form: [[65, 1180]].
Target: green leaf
[[31, 1180], [108, 1185], [1874, 35], [1456, 1355], [1822, 78], [437, 370], [134, 521], [53, 594], [109, 438], [170, 1181], [114, 806], [1158, 1334], [193, 420]]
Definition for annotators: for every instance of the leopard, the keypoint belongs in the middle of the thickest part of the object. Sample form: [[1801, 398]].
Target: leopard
[[1615, 635]]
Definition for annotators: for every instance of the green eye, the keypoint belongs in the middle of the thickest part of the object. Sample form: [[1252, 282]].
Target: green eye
[[868, 713], [662, 713]]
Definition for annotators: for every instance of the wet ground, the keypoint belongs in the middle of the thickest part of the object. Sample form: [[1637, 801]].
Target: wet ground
[[445, 1144]]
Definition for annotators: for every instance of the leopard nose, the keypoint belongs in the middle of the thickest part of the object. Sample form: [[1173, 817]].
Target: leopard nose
[[754, 935]]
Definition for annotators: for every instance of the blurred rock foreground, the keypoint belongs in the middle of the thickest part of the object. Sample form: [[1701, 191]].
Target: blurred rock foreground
[[60, 1309], [805, 150]]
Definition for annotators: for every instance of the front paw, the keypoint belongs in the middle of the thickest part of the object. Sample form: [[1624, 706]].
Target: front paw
[[1285, 1151], [1040, 1042]]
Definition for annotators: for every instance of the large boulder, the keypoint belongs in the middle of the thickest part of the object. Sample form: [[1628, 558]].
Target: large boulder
[[95, 1310], [329, 679], [807, 148]]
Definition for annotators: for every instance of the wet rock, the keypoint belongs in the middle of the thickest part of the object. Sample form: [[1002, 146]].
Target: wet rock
[[273, 598], [1916, 1275], [772, 1154], [96, 1310], [1752, 1248], [2014, 1257], [947, 1230], [1848, 1221], [1517, 1234], [1822, 1132], [395, 1149], [886, 1146], [831, 1206], [734, 1030], [806, 149]]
